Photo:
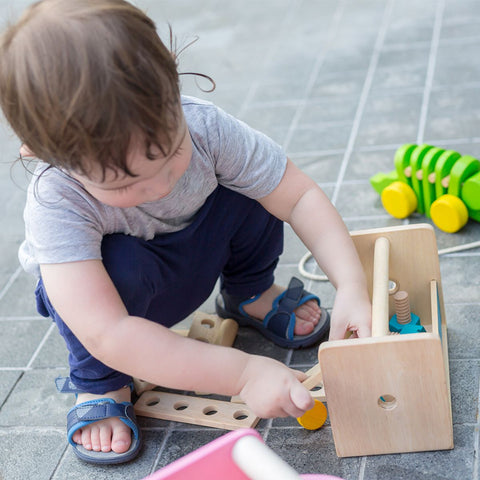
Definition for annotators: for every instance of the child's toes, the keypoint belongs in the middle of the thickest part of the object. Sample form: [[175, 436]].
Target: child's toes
[[105, 438], [86, 438], [309, 312], [77, 436], [95, 438], [303, 327], [121, 439]]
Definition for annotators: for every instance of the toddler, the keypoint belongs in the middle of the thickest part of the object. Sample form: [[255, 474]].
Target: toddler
[[140, 201]]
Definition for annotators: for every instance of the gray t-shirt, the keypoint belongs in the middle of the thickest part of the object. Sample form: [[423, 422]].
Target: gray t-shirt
[[64, 223]]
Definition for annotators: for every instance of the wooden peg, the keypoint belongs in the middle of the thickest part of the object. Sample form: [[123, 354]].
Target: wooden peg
[[380, 288], [213, 329]]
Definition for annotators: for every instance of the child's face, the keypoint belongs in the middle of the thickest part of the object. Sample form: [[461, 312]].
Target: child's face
[[155, 178]]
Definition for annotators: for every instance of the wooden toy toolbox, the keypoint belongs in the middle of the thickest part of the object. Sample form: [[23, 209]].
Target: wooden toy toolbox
[[391, 393]]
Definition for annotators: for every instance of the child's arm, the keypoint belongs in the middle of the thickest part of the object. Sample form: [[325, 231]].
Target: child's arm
[[299, 201], [86, 299]]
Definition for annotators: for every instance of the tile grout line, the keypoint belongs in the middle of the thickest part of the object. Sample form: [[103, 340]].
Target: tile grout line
[[432, 61], [382, 147], [28, 367], [363, 98], [476, 442], [168, 434], [333, 31], [268, 58], [38, 318], [10, 282], [269, 423], [60, 461], [363, 466], [41, 344]]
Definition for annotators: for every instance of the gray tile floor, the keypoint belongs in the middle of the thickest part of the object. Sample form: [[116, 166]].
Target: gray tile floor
[[340, 84]]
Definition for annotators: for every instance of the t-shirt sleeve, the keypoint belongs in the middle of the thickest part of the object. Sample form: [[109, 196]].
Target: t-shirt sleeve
[[247, 161], [59, 225]]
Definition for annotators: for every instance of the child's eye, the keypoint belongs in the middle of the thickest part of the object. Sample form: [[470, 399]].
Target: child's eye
[[178, 152]]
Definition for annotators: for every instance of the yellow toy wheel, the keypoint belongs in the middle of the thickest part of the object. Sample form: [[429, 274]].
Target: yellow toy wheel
[[399, 200], [314, 418], [449, 213]]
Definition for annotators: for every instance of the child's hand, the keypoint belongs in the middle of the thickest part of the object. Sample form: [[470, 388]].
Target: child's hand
[[352, 312], [271, 389]]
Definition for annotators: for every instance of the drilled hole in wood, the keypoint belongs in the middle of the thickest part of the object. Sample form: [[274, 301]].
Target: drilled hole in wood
[[240, 415], [317, 387], [387, 402], [210, 411], [153, 402], [393, 287], [179, 406], [207, 323]]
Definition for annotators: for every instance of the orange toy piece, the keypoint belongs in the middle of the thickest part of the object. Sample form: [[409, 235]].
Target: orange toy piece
[[314, 418]]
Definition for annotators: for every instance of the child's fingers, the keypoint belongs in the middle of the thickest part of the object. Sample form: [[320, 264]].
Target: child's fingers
[[337, 331], [301, 400], [301, 376], [364, 331]]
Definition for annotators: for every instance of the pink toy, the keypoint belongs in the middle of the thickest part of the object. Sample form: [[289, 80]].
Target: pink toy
[[238, 455]]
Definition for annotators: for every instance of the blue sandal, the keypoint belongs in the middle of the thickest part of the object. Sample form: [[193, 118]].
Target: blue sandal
[[279, 324], [92, 411]]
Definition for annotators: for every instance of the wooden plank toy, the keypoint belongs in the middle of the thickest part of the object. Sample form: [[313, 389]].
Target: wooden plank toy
[[391, 393], [195, 410]]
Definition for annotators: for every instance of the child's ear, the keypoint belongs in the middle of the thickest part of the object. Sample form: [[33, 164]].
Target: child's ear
[[25, 152]]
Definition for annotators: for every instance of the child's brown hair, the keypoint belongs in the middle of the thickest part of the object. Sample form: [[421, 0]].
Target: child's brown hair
[[78, 78]]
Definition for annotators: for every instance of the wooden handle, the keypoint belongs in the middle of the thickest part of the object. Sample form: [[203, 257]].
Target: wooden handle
[[380, 288]]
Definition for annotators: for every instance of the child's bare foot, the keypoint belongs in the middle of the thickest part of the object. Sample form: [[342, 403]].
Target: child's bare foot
[[105, 435], [307, 314]]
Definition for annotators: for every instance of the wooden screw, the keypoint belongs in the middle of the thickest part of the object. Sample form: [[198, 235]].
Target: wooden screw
[[402, 307]]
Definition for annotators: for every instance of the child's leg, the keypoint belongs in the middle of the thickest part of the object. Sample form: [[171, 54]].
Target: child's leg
[[232, 237], [86, 372], [167, 278]]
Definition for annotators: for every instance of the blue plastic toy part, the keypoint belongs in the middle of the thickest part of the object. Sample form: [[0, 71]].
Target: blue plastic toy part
[[413, 326]]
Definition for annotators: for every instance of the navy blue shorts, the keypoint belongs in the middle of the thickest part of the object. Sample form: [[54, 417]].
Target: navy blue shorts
[[167, 278]]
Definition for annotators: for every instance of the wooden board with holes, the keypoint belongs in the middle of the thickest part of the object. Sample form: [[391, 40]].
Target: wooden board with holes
[[195, 410]]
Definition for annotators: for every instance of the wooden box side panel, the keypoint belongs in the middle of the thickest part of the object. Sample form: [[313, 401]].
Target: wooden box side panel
[[407, 372], [413, 263]]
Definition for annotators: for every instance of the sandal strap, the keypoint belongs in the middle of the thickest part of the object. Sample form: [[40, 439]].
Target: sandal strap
[[88, 412], [281, 319], [291, 297], [65, 385]]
